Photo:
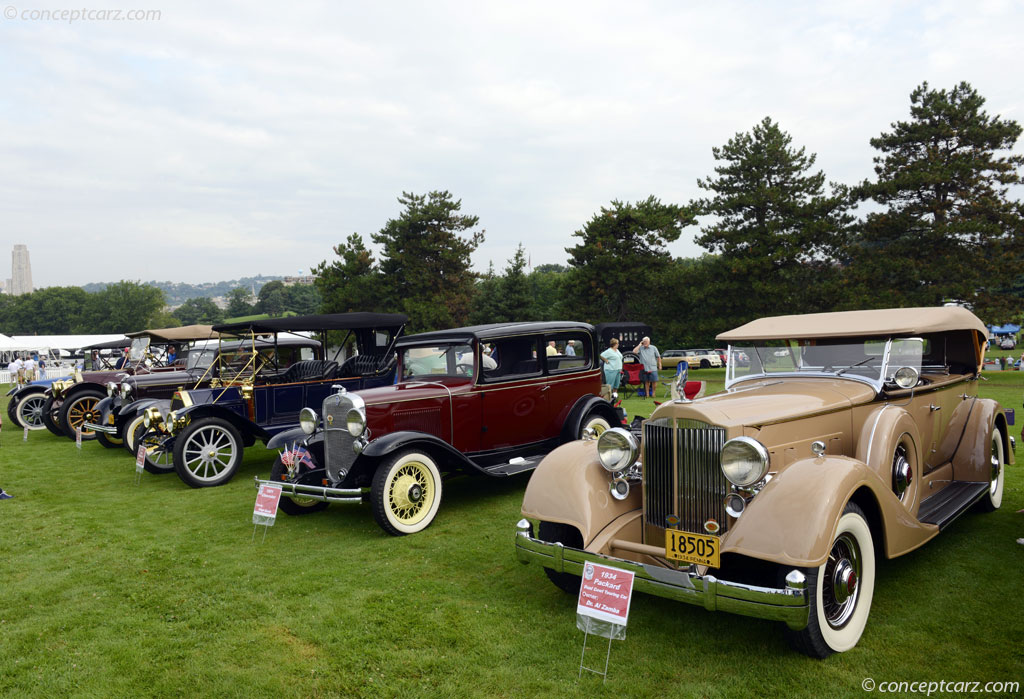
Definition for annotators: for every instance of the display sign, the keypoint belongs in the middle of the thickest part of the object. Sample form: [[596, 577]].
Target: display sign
[[24, 437], [605, 593], [140, 459], [78, 437], [267, 500]]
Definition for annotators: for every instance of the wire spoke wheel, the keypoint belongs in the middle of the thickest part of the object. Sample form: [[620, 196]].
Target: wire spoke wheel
[[30, 411], [406, 493], [207, 452]]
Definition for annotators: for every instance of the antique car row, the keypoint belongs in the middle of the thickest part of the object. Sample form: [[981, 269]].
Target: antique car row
[[840, 439]]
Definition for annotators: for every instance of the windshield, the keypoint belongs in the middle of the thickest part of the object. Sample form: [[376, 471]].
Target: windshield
[[440, 360], [138, 350], [872, 360], [201, 358]]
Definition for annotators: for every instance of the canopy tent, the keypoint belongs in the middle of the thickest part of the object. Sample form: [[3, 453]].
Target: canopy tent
[[68, 342], [1008, 329]]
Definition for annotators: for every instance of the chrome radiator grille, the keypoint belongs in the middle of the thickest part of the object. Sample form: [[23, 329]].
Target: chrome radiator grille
[[683, 475], [337, 441]]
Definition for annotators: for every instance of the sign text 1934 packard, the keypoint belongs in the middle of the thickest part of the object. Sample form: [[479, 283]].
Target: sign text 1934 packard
[[845, 434]]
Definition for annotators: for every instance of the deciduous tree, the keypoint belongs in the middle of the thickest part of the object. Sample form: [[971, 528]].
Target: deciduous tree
[[200, 310]]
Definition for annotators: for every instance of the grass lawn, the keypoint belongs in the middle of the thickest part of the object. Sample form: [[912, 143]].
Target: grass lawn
[[115, 589]]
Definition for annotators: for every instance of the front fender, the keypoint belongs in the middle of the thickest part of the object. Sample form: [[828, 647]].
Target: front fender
[[581, 409], [571, 487], [129, 411], [449, 458], [247, 428], [792, 520], [293, 436]]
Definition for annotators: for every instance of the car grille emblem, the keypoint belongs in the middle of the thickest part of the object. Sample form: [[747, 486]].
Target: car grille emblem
[[330, 419], [711, 526], [672, 522]]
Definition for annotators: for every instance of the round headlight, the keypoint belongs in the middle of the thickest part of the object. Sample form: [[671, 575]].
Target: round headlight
[[308, 420], [126, 389], [111, 388], [617, 449], [355, 420], [146, 421], [744, 461]]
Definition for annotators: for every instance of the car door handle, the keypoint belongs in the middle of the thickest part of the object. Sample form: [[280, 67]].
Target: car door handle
[[545, 388], [933, 408]]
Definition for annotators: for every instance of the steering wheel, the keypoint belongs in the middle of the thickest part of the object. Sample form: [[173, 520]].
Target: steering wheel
[[463, 369]]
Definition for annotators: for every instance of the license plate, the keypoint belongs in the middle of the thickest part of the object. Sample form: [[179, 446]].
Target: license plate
[[692, 548]]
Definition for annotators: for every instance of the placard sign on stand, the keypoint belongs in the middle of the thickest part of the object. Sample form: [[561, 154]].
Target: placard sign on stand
[[265, 511], [78, 437], [24, 437], [140, 463], [602, 608]]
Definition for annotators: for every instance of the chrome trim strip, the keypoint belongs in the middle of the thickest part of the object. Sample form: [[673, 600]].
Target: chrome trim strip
[[105, 429], [317, 492], [777, 604]]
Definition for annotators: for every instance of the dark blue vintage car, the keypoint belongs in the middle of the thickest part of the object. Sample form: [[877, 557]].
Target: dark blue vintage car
[[250, 396]]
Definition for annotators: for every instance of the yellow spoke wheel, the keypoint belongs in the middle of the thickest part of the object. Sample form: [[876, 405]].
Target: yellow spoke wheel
[[406, 493]]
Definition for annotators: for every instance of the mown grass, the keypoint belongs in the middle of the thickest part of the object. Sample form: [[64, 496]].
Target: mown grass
[[115, 589]]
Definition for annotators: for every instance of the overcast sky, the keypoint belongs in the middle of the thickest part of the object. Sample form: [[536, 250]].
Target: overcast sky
[[231, 139]]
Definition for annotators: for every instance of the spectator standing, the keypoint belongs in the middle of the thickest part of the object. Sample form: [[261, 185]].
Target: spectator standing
[[570, 351], [30, 370], [612, 359], [650, 357], [551, 350]]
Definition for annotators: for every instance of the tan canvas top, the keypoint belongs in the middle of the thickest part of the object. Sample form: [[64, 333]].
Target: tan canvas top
[[182, 334], [881, 322]]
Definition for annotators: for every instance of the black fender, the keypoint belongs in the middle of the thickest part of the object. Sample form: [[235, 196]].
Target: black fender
[[104, 406], [18, 392], [130, 411], [249, 430], [73, 391], [448, 458], [289, 437], [583, 407]]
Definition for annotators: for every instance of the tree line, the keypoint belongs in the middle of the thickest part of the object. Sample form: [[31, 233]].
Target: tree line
[[939, 227]]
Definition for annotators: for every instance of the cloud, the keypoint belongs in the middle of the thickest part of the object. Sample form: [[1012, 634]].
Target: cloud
[[236, 139]]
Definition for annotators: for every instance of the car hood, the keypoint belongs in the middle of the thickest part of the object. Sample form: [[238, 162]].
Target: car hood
[[752, 403], [412, 390]]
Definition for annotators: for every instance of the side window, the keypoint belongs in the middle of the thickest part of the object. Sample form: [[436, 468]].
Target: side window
[[509, 358], [568, 351]]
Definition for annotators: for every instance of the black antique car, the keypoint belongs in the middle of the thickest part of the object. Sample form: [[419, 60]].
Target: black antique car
[[251, 396], [488, 400]]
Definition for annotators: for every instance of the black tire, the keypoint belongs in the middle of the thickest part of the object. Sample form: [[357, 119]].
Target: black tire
[[130, 429], [109, 441], [158, 460], [12, 406], [78, 409], [406, 493], [28, 410], [991, 501], [834, 625], [705, 364], [556, 532], [51, 416], [294, 504], [207, 444]]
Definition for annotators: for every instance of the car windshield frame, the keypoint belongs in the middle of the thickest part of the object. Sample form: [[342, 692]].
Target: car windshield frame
[[429, 362], [849, 359]]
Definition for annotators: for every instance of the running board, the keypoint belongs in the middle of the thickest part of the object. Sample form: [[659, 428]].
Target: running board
[[514, 466], [951, 502]]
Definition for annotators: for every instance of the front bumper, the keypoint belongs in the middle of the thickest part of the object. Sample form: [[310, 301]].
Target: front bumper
[[105, 429], [788, 604], [316, 492]]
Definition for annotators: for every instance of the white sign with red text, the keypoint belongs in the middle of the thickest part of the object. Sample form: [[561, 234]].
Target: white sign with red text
[[605, 593], [267, 499], [140, 459]]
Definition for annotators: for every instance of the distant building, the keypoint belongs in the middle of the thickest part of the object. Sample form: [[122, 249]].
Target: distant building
[[21, 271], [306, 280]]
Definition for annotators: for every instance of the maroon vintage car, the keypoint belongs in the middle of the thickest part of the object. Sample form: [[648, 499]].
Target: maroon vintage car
[[489, 400]]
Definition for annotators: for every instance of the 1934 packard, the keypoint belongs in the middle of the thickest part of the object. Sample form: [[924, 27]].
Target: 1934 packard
[[844, 435], [487, 400]]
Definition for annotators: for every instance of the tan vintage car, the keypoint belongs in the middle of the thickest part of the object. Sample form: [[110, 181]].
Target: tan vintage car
[[845, 434]]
